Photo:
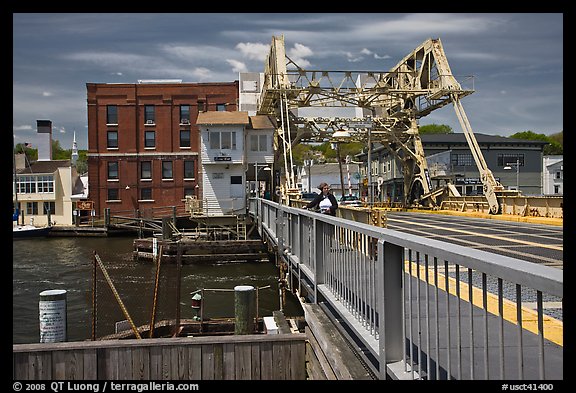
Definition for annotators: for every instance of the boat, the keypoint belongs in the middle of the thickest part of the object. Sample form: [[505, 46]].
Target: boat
[[29, 231]]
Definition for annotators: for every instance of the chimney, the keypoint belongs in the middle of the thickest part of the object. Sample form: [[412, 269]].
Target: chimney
[[44, 129], [20, 160]]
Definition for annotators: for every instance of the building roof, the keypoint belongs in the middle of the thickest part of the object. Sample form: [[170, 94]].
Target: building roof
[[222, 117], [259, 122], [331, 168], [39, 167], [459, 137]]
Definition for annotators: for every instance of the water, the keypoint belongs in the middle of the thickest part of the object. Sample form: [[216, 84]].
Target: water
[[67, 263]]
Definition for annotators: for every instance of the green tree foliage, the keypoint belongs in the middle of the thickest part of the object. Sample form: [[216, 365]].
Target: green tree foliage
[[82, 162], [31, 154], [303, 151], [554, 146], [58, 153], [435, 129]]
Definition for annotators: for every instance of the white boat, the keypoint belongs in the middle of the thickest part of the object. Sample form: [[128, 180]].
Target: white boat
[[27, 231]]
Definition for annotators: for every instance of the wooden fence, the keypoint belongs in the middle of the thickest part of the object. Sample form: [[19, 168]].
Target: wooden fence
[[265, 356]]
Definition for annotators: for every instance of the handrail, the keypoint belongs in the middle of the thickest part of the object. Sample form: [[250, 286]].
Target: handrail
[[390, 284]]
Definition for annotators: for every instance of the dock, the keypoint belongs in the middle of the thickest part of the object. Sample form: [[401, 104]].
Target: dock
[[193, 251]]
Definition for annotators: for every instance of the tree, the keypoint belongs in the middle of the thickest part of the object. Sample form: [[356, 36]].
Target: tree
[[435, 129], [552, 148], [31, 154]]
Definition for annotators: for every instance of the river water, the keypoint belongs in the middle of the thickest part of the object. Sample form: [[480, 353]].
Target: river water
[[67, 263]]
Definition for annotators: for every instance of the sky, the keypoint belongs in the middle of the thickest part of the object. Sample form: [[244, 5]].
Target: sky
[[515, 59]]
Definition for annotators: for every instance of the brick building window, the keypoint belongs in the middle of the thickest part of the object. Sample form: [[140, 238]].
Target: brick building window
[[184, 114], [111, 114], [184, 138], [113, 194], [113, 170], [188, 191], [146, 170], [149, 114], [146, 193], [221, 107], [188, 169], [167, 170], [150, 139], [112, 140]]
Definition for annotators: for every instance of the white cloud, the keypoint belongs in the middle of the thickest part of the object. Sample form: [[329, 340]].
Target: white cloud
[[298, 53], [46, 94], [253, 51], [353, 58], [237, 66], [22, 128]]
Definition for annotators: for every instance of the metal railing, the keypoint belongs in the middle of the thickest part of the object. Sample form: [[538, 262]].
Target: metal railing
[[419, 308]]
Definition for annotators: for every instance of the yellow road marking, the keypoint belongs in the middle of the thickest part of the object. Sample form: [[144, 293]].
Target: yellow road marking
[[553, 328]]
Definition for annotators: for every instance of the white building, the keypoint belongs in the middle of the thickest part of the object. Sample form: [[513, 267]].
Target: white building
[[231, 143], [46, 188], [311, 176], [553, 175]]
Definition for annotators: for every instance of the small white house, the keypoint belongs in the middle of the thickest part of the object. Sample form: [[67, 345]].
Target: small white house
[[222, 161], [236, 150], [553, 175]]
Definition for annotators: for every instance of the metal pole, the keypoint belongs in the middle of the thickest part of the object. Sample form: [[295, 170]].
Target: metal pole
[[257, 185], [310, 176], [340, 167], [369, 167], [518, 174]]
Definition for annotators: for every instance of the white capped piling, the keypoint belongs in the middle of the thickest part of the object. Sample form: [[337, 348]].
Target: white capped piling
[[52, 307], [244, 309]]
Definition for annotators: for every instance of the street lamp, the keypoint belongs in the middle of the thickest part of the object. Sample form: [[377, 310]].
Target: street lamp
[[264, 167], [517, 165], [309, 164], [339, 136]]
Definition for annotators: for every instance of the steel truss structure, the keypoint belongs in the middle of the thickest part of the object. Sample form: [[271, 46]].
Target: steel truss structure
[[390, 104]]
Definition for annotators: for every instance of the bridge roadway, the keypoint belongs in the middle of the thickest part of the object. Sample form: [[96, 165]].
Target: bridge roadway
[[534, 242], [530, 241]]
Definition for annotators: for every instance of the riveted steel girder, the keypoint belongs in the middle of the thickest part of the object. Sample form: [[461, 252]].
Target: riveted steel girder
[[393, 101]]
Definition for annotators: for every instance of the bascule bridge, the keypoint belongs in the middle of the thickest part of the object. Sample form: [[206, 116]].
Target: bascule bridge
[[389, 104]]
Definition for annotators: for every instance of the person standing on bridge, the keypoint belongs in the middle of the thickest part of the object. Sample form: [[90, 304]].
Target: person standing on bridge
[[326, 201]]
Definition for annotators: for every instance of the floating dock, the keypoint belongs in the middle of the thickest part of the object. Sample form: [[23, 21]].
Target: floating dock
[[194, 251]]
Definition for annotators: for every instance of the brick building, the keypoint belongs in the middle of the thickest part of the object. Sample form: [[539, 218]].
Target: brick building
[[143, 141]]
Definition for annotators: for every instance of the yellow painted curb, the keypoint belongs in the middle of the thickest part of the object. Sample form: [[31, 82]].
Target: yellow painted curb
[[501, 217]]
